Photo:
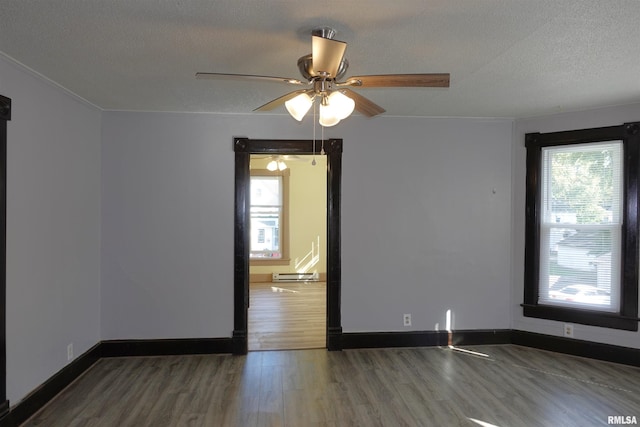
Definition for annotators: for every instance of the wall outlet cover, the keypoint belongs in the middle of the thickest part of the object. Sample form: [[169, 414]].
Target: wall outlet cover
[[568, 330], [407, 320]]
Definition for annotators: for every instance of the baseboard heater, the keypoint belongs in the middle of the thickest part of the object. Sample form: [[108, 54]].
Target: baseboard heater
[[295, 277]]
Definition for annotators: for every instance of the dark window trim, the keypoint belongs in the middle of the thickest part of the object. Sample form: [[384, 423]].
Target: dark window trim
[[5, 115], [627, 317]]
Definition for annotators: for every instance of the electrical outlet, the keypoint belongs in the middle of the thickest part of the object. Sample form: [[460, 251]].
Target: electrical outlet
[[568, 330], [70, 351], [407, 320]]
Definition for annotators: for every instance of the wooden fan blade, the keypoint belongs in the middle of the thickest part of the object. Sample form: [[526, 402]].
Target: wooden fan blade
[[281, 100], [248, 76], [326, 55], [401, 80], [364, 105]]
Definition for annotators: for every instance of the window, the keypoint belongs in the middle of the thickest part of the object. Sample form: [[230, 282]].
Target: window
[[581, 254], [269, 217], [581, 225]]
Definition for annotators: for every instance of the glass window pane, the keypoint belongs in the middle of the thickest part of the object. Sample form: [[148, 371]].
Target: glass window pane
[[265, 233], [266, 191], [582, 184], [581, 226], [580, 268], [266, 217]]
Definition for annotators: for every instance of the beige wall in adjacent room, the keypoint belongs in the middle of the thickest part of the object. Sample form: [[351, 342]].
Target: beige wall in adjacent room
[[307, 217]]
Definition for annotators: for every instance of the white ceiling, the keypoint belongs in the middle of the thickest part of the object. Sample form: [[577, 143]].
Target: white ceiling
[[507, 58]]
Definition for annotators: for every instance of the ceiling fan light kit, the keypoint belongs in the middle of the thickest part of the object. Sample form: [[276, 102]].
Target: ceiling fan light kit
[[333, 108], [299, 106], [342, 104], [322, 69], [276, 164], [328, 117]]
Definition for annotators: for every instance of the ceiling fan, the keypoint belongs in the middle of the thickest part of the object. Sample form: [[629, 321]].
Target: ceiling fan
[[322, 71], [277, 162]]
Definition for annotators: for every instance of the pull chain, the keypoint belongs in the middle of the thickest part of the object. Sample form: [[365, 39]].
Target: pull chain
[[313, 162]]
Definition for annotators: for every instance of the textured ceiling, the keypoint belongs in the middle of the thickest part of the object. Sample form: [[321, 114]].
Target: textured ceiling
[[507, 58]]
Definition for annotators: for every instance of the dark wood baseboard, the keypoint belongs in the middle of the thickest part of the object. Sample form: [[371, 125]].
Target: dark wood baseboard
[[165, 347], [353, 340], [5, 416], [334, 339], [239, 343], [481, 337], [593, 350], [50, 388]]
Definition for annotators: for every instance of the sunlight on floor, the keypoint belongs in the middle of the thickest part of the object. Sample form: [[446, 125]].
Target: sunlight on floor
[[482, 423], [471, 352], [277, 289]]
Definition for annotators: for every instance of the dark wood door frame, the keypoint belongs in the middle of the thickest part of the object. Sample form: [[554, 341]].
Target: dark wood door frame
[[5, 115], [243, 148]]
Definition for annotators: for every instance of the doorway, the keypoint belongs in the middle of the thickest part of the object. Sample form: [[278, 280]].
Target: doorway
[[287, 262], [244, 148]]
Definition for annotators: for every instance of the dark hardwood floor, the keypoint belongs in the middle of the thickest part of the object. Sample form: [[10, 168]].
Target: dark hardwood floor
[[502, 385]]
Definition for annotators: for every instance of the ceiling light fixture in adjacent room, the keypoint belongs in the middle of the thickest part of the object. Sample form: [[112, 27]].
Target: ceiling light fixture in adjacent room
[[276, 164]]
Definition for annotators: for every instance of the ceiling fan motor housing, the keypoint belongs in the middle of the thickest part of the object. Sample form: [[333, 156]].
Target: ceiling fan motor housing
[[305, 65], [324, 32]]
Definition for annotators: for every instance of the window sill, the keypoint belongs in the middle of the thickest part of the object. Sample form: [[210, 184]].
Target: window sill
[[581, 316], [279, 261]]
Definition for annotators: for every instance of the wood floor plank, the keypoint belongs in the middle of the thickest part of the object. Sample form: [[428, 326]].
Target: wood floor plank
[[287, 316], [509, 386]]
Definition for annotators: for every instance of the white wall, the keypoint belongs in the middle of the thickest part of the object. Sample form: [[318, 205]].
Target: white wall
[[53, 228], [423, 230], [611, 116]]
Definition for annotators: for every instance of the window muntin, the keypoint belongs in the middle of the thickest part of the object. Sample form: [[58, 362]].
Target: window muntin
[[581, 226]]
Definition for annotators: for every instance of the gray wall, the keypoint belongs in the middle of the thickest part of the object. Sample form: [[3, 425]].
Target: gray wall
[[425, 224], [568, 121], [425, 221], [53, 228]]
